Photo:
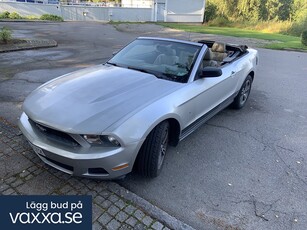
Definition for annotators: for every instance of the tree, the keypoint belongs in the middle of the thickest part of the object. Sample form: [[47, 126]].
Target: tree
[[273, 7], [250, 9], [285, 9], [254, 10], [210, 11], [299, 10]]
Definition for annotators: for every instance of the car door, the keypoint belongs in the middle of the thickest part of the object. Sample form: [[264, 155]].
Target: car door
[[208, 93]]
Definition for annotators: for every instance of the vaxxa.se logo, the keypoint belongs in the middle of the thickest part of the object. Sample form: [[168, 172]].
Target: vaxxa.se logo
[[49, 212]]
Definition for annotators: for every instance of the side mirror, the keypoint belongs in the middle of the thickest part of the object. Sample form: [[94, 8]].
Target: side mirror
[[210, 72]]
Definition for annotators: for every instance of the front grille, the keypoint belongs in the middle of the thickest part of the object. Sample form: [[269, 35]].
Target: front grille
[[55, 135]]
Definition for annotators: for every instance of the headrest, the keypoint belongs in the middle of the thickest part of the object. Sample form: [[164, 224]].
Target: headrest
[[170, 52], [219, 47], [167, 50]]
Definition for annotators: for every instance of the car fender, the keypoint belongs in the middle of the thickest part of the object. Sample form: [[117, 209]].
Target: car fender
[[247, 64]]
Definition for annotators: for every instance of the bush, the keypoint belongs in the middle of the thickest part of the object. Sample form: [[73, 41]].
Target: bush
[[210, 12], [51, 17], [272, 26], [219, 21], [5, 35], [15, 15], [297, 28], [4, 15], [304, 38], [32, 17]]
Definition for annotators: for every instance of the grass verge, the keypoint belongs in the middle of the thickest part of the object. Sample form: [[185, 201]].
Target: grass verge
[[282, 41]]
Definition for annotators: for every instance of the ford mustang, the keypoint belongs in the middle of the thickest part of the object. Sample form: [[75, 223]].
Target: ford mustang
[[105, 121]]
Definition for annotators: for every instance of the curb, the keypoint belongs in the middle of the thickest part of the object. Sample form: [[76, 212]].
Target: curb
[[294, 50], [30, 44], [149, 208]]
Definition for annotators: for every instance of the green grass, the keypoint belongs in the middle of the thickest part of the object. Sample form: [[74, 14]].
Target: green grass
[[283, 41]]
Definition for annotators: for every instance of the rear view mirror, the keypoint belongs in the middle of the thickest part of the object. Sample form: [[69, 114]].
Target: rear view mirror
[[210, 72]]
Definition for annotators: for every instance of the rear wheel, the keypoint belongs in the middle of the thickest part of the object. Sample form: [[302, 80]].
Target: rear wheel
[[243, 94], [150, 159]]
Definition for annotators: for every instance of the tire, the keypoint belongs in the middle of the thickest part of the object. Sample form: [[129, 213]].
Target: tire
[[150, 159], [241, 98]]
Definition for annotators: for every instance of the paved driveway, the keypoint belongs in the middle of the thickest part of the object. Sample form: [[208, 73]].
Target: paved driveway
[[247, 168], [242, 170]]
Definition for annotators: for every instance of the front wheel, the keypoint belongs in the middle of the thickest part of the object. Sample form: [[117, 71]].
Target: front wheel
[[241, 98], [150, 159]]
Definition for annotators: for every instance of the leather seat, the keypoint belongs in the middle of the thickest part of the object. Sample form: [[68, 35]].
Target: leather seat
[[208, 60], [218, 51], [215, 55]]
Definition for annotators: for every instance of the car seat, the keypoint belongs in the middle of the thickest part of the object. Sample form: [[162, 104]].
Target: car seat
[[208, 60], [168, 56], [218, 51]]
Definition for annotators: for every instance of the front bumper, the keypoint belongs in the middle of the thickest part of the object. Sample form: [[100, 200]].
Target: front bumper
[[84, 161]]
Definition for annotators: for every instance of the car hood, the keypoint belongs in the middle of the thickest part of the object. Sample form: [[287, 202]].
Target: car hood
[[90, 100]]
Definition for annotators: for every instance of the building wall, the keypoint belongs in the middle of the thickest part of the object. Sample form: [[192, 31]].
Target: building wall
[[27, 9], [167, 10], [80, 13], [184, 11], [137, 3]]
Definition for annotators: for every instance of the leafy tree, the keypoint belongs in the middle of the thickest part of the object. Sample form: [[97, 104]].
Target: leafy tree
[[285, 9], [250, 9], [273, 7], [256, 10], [299, 10], [210, 11], [224, 8]]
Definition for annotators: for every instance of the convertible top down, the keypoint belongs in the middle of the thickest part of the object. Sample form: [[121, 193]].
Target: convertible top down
[[107, 120]]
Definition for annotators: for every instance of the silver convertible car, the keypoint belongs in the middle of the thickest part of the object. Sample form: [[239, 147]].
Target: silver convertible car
[[105, 121]]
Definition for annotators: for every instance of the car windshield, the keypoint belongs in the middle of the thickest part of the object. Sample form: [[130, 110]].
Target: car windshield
[[165, 59]]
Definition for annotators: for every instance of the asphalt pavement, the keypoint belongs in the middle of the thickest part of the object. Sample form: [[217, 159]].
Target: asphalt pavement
[[242, 170]]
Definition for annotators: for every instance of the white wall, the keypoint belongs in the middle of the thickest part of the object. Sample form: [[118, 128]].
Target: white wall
[[27, 9], [80, 13], [184, 11], [176, 11], [137, 3]]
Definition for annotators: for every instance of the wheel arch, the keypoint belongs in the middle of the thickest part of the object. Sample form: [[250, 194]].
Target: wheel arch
[[175, 131], [252, 74], [173, 139]]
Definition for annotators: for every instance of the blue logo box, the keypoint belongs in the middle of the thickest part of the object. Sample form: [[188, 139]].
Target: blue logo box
[[46, 212]]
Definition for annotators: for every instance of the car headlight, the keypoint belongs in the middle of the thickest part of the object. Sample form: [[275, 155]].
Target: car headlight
[[102, 140]]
